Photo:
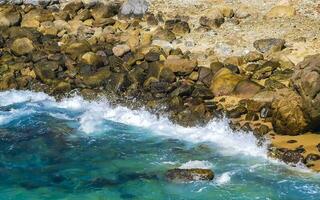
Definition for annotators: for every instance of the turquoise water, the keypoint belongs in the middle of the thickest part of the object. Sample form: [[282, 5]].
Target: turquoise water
[[76, 149]]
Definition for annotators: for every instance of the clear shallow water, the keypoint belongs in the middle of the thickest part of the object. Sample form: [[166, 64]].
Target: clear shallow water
[[75, 149]]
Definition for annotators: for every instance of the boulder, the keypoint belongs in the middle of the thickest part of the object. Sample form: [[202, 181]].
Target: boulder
[[9, 16], [288, 117], [180, 65], [22, 46], [306, 81], [185, 175], [247, 88], [224, 82], [281, 11], [269, 45], [134, 8]]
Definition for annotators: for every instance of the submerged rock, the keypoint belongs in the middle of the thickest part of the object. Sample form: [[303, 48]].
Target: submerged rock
[[185, 175]]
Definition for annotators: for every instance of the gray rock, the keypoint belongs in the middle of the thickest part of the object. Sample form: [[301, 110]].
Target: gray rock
[[134, 7]]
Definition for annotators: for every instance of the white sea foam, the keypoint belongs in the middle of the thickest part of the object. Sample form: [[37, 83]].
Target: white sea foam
[[200, 164], [94, 114], [223, 178]]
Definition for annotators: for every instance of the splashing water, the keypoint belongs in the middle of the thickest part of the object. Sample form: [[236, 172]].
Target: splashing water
[[73, 149]]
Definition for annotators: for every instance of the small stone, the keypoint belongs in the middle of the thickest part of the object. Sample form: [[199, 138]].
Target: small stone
[[269, 45], [22, 46], [120, 50]]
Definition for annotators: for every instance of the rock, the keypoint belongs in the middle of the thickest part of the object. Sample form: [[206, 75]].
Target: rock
[[185, 175], [274, 84], [9, 16], [318, 147], [214, 21], [253, 56], [34, 17], [224, 82], [180, 65], [22, 46], [152, 56], [61, 88], [306, 81], [48, 28], [281, 11], [97, 79], [262, 130], [120, 50], [77, 49], [237, 112], [288, 118], [167, 75], [216, 66], [247, 88], [265, 71], [291, 156], [205, 75], [91, 58], [311, 158], [134, 8], [45, 70], [164, 34], [269, 45], [181, 28], [104, 10]]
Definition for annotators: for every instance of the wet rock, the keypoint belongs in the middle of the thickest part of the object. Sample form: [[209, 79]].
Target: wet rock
[[311, 158], [97, 79], [262, 130], [180, 65], [269, 45], [22, 46], [224, 82], [61, 88], [9, 16], [45, 70], [306, 81], [290, 156], [237, 112], [247, 88], [205, 75], [134, 8], [288, 117], [281, 11], [185, 175]]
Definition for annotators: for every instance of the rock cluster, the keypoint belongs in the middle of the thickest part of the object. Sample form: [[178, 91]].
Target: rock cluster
[[125, 53]]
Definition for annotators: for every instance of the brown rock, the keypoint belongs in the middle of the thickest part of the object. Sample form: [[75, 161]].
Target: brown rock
[[9, 16], [247, 88], [180, 65], [269, 45], [183, 175], [288, 117], [224, 82], [22, 46], [281, 11]]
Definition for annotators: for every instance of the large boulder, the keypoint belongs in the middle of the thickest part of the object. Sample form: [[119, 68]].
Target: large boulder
[[224, 82], [185, 175], [306, 81], [288, 117]]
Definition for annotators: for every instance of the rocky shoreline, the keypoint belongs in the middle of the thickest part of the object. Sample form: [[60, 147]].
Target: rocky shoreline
[[118, 50]]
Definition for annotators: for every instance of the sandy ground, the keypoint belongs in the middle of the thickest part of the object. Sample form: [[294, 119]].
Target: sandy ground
[[301, 32]]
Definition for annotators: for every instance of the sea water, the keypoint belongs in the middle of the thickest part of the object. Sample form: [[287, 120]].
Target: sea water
[[76, 149]]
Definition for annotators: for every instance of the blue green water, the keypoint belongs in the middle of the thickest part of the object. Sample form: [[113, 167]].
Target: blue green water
[[76, 149]]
